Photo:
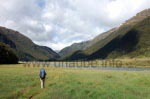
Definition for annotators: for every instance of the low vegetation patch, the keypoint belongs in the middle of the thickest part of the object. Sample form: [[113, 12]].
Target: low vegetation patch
[[17, 81]]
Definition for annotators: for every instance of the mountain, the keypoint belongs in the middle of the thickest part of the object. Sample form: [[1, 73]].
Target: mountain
[[24, 48], [131, 39], [57, 51], [83, 45], [74, 47], [6, 55]]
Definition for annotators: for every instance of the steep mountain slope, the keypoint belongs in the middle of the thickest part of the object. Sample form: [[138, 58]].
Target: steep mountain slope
[[6, 55], [135, 43], [24, 48], [83, 45], [126, 40], [74, 47]]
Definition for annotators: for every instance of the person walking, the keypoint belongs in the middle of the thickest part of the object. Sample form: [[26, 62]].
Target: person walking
[[42, 77]]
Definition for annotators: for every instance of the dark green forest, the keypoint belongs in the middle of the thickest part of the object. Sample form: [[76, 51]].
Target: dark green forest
[[7, 56]]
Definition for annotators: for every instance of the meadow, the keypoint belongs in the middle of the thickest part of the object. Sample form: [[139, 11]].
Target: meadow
[[19, 82], [125, 63]]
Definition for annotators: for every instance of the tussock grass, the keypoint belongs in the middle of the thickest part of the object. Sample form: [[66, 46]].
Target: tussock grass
[[18, 82]]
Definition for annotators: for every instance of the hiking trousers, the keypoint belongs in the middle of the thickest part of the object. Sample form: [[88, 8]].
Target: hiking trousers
[[42, 83]]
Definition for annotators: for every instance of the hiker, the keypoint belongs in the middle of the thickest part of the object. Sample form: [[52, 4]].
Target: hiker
[[42, 77]]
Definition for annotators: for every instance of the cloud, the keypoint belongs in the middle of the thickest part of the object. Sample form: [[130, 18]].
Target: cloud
[[59, 23]]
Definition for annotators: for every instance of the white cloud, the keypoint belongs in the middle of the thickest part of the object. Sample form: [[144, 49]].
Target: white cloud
[[59, 23]]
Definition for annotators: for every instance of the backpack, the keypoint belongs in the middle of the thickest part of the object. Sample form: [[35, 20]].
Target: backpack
[[42, 73]]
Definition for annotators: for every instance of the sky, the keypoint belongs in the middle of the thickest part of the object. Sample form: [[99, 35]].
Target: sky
[[59, 23]]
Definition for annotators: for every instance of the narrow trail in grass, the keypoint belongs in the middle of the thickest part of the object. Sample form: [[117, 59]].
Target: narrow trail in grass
[[35, 94]]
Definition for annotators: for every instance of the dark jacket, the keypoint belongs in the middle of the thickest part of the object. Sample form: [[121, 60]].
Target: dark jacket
[[42, 73]]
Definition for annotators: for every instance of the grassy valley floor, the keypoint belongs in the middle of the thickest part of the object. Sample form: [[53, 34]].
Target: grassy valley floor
[[19, 82]]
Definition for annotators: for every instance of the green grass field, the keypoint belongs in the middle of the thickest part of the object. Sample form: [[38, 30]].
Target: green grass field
[[18, 82]]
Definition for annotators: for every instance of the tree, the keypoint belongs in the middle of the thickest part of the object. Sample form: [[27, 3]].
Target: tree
[[7, 56]]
